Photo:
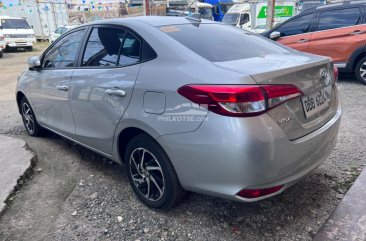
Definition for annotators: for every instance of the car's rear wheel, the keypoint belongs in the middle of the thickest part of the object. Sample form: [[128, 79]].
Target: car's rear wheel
[[360, 70], [29, 119], [151, 174]]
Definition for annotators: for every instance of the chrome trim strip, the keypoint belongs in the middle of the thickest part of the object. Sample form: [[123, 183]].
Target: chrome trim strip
[[327, 6], [340, 65]]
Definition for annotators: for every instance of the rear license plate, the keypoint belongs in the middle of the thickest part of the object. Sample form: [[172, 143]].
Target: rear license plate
[[316, 102]]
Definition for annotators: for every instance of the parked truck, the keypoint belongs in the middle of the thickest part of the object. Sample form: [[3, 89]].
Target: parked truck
[[220, 8], [185, 8], [249, 15], [2, 45], [43, 16]]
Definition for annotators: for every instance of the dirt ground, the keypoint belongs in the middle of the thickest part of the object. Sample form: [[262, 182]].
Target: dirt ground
[[79, 195]]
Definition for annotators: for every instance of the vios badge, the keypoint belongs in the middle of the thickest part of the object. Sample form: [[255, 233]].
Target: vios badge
[[324, 76]]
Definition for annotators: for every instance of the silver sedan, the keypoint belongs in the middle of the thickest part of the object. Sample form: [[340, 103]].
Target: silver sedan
[[186, 105]]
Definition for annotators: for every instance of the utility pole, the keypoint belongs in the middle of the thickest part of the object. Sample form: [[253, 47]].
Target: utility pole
[[146, 6], [270, 13]]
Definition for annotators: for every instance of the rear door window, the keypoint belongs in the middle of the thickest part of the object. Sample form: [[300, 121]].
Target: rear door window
[[58, 31], [339, 18], [111, 47], [63, 30], [298, 25], [220, 42], [130, 52], [103, 47]]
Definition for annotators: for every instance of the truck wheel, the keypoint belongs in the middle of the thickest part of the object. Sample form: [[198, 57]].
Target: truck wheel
[[360, 70]]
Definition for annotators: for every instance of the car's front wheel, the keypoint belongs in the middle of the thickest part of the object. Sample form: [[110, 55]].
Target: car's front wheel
[[29, 119], [151, 174], [360, 70]]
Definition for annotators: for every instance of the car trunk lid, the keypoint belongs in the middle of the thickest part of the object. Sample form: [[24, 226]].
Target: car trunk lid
[[311, 74]]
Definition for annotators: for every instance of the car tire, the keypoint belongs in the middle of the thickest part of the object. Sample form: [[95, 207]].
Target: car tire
[[30, 49], [29, 119], [360, 70], [151, 174], [1, 54]]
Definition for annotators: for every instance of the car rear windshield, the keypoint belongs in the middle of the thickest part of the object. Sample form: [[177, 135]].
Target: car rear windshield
[[14, 24], [219, 42]]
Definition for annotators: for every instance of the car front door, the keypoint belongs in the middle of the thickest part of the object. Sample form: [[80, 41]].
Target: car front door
[[338, 34], [296, 33], [102, 86], [50, 84]]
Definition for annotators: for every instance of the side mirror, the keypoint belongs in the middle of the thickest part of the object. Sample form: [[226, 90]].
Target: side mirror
[[34, 63], [275, 35]]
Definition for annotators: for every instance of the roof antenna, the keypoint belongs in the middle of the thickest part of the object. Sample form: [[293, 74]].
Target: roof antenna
[[194, 17]]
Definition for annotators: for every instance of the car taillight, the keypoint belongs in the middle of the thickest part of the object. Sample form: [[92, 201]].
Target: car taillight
[[277, 94], [335, 73], [239, 100], [256, 193]]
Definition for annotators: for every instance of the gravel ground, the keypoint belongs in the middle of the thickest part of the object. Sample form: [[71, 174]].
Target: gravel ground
[[76, 194]]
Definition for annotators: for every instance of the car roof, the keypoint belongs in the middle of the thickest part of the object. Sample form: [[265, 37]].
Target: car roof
[[8, 17], [334, 5], [154, 21], [70, 26]]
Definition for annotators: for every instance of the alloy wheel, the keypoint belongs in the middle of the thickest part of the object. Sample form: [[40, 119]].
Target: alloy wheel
[[28, 118], [147, 174], [363, 71]]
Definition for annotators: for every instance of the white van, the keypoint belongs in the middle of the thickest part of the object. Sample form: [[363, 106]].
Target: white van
[[2, 45], [17, 32], [249, 15]]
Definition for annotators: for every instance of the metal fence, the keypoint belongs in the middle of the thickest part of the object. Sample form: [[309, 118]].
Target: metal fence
[[46, 16]]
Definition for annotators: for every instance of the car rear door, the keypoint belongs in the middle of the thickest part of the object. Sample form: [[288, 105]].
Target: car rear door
[[339, 32], [296, 33], [102, 86]]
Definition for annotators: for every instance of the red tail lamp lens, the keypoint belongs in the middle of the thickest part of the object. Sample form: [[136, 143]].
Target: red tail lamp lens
[[256, 193], [239, 100]]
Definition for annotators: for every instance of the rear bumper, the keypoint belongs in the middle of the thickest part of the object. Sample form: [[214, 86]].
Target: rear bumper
[[344, 67], [19, 45], [14, 43], [226, 155], [341, 65]]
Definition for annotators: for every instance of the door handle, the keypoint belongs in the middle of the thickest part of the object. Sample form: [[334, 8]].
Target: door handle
[[120, 93], [303, 41], [357, 32], [62, 87]]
